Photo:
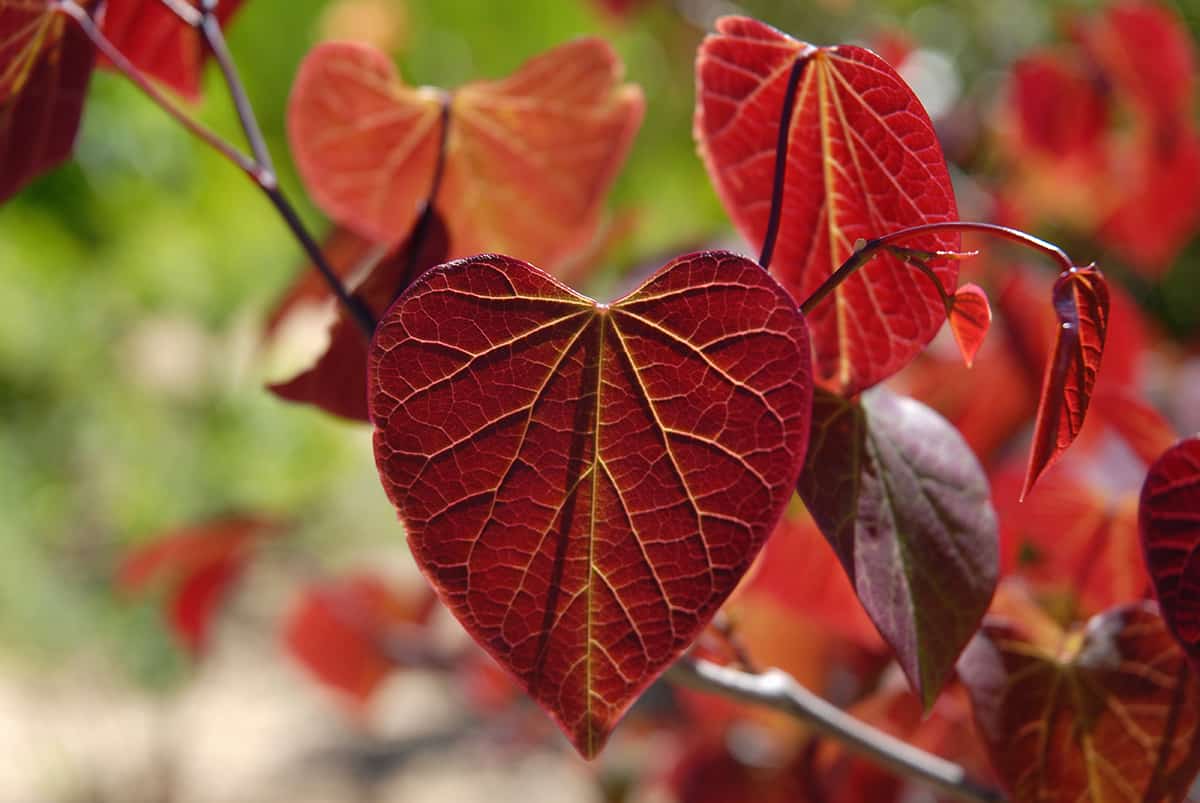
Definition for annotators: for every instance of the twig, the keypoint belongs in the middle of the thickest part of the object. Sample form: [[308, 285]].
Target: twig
[[871, 249], [776, 689], [258, 168], [781, 156]]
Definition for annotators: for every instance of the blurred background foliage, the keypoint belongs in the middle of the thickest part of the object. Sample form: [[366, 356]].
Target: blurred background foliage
[[136, 279]]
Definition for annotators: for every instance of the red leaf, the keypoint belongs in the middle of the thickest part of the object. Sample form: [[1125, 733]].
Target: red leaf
[[347, 253], [199, 565], [1061, 109], [159, 43], [528, 158], [1169, 523], [585, 545], [339, 631], [1110, 713], [1142, 427], [1147, 51], [337, 382], [45, 65], [905, 505], [863, 161], [1081, 303], [970, 317]]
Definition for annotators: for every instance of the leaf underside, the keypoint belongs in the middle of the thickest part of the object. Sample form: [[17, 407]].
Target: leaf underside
[[862, 161], [612, 473]]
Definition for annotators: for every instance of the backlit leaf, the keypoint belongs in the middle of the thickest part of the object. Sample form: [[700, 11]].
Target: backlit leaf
[[863, 161], [1080, 299], [45, 64], [585, 483], [160, 44], [1061, 111], [337, 382], [198, 565], [970, 317], [528, 158], [339, 630], [1109, 713], [905, 505], [1169, 522]]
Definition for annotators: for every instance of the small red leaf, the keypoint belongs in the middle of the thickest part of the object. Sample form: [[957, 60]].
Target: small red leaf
[[616, 470], [1110, 713], [970, 317], [1081, 303], [1169, 523], [905, 505], [199, 565], [863, 161], [528, 158], [159, 43], [45, 65], [337, 382], [340, 630]]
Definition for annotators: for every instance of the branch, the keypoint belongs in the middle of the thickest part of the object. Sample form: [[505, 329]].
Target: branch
[[781, 156], [778, 690]]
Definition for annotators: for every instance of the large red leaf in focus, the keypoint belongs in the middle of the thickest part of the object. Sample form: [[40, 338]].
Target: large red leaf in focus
[[613, 472], [1169, 523], [1109, 713], [1080, 298], [337, 382], [863, 161], [159, 43], [199, 565], [905, 505], [45, 64], [528, 158], [342, 631]]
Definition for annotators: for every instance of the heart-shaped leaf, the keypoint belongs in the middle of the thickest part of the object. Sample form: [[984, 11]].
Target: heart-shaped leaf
[[970, 318], [45, 65], [1169, 523], [585, 483], [1080, 298], [862, 161], [1110, 713], [904, 503], [159, 43], [337, 382], [528, 159]]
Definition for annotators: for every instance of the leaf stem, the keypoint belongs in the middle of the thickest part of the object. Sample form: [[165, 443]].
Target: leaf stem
[[258, 168], [781, 157], [871, 249], [778, 690]]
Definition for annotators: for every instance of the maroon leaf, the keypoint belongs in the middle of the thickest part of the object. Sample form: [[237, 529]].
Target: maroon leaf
[[159, 43], [1110, 713], [1081, 304], [585, 483], [904, 503], [863, 161], [45, 64], [337, 382], [970, 317], [1169, 524]]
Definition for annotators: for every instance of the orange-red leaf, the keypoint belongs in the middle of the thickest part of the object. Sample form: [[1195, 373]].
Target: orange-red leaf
[[970, 318], [159, 43], [1169, 522], [198, 565], [337, 382], [585, 483], [528, 158], [905, 505], [45, 64], [1080, 299], [863, 161], [340, 631], [1109, 713], [1142, 427]]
